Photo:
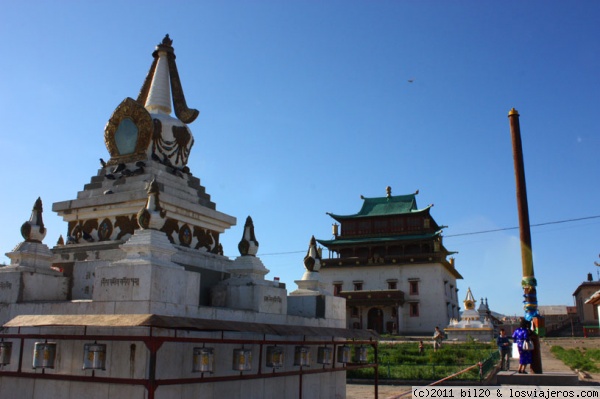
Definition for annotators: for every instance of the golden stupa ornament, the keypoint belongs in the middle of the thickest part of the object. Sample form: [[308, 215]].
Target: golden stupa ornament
[[128, 132]]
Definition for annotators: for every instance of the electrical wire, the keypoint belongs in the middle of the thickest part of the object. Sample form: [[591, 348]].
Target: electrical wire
[[514, 228], [474, 232]]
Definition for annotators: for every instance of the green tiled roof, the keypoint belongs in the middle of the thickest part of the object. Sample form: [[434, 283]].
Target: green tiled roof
[[384, 206], [366, 240]]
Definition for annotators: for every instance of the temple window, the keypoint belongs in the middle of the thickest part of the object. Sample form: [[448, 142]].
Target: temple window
[[413, 287], [414, 309], [358, 286], [337, 288], [392, 285]]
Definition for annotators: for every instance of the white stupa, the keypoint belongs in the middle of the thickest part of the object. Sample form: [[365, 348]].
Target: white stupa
[[471, 324]]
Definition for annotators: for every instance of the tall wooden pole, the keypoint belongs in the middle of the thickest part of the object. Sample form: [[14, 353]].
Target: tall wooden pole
[[528, 282]]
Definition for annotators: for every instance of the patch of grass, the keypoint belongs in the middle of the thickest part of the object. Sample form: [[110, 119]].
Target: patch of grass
[[403, 361], [584, 360]]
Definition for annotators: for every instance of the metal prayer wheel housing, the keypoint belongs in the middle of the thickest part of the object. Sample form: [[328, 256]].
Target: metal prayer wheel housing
[[360, 354], [324, 355], [203, 360], [94, 356], [302, 356], [275, 356], [343, 354], [44, 355], [5, 352], [242, 359]]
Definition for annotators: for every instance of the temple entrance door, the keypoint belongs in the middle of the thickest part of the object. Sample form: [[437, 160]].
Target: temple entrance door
[[375, 320]]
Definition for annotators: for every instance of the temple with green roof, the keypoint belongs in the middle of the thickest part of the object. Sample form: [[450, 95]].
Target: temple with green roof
[[389, 262]]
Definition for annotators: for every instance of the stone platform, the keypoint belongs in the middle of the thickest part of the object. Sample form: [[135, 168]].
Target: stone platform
[[555, 372], [550, 378]]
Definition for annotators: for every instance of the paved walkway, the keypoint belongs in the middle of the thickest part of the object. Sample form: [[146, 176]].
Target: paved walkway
[[549, 364], [354, 391]]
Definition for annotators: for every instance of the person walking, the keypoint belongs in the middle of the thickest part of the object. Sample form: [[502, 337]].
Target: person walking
[[504, 347], [437, 339], [521, 336]]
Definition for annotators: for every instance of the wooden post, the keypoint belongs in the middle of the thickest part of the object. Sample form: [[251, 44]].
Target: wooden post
[[528, 282]]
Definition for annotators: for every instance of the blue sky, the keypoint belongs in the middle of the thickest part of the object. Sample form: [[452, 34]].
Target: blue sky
[[306, 105]]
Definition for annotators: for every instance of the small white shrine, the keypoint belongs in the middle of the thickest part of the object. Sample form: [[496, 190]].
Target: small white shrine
[[472, 324], [140, 301]]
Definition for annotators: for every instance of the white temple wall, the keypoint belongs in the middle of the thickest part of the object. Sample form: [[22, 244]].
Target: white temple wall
[[432, 297]]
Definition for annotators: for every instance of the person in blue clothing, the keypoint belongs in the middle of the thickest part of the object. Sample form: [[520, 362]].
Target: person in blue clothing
[[522, 334], [504, 347]]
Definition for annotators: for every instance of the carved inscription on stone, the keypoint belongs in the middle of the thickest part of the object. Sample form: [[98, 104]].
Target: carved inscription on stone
[[269, 298], [123, 282]]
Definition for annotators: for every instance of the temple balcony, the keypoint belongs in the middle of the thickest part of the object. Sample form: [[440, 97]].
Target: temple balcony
[[387, 260], [371, 297]]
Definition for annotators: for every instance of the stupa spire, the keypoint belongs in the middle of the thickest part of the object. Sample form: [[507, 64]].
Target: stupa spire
[[162, 81], [469, 301], [159, 95]]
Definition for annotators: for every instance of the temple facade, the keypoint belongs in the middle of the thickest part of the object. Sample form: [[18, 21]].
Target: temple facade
[[389, 262], [138, 299]]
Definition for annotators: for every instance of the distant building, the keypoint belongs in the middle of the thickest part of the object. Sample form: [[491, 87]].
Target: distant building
[[594, 300], [587, 312], [557, 317], [389, 262]]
